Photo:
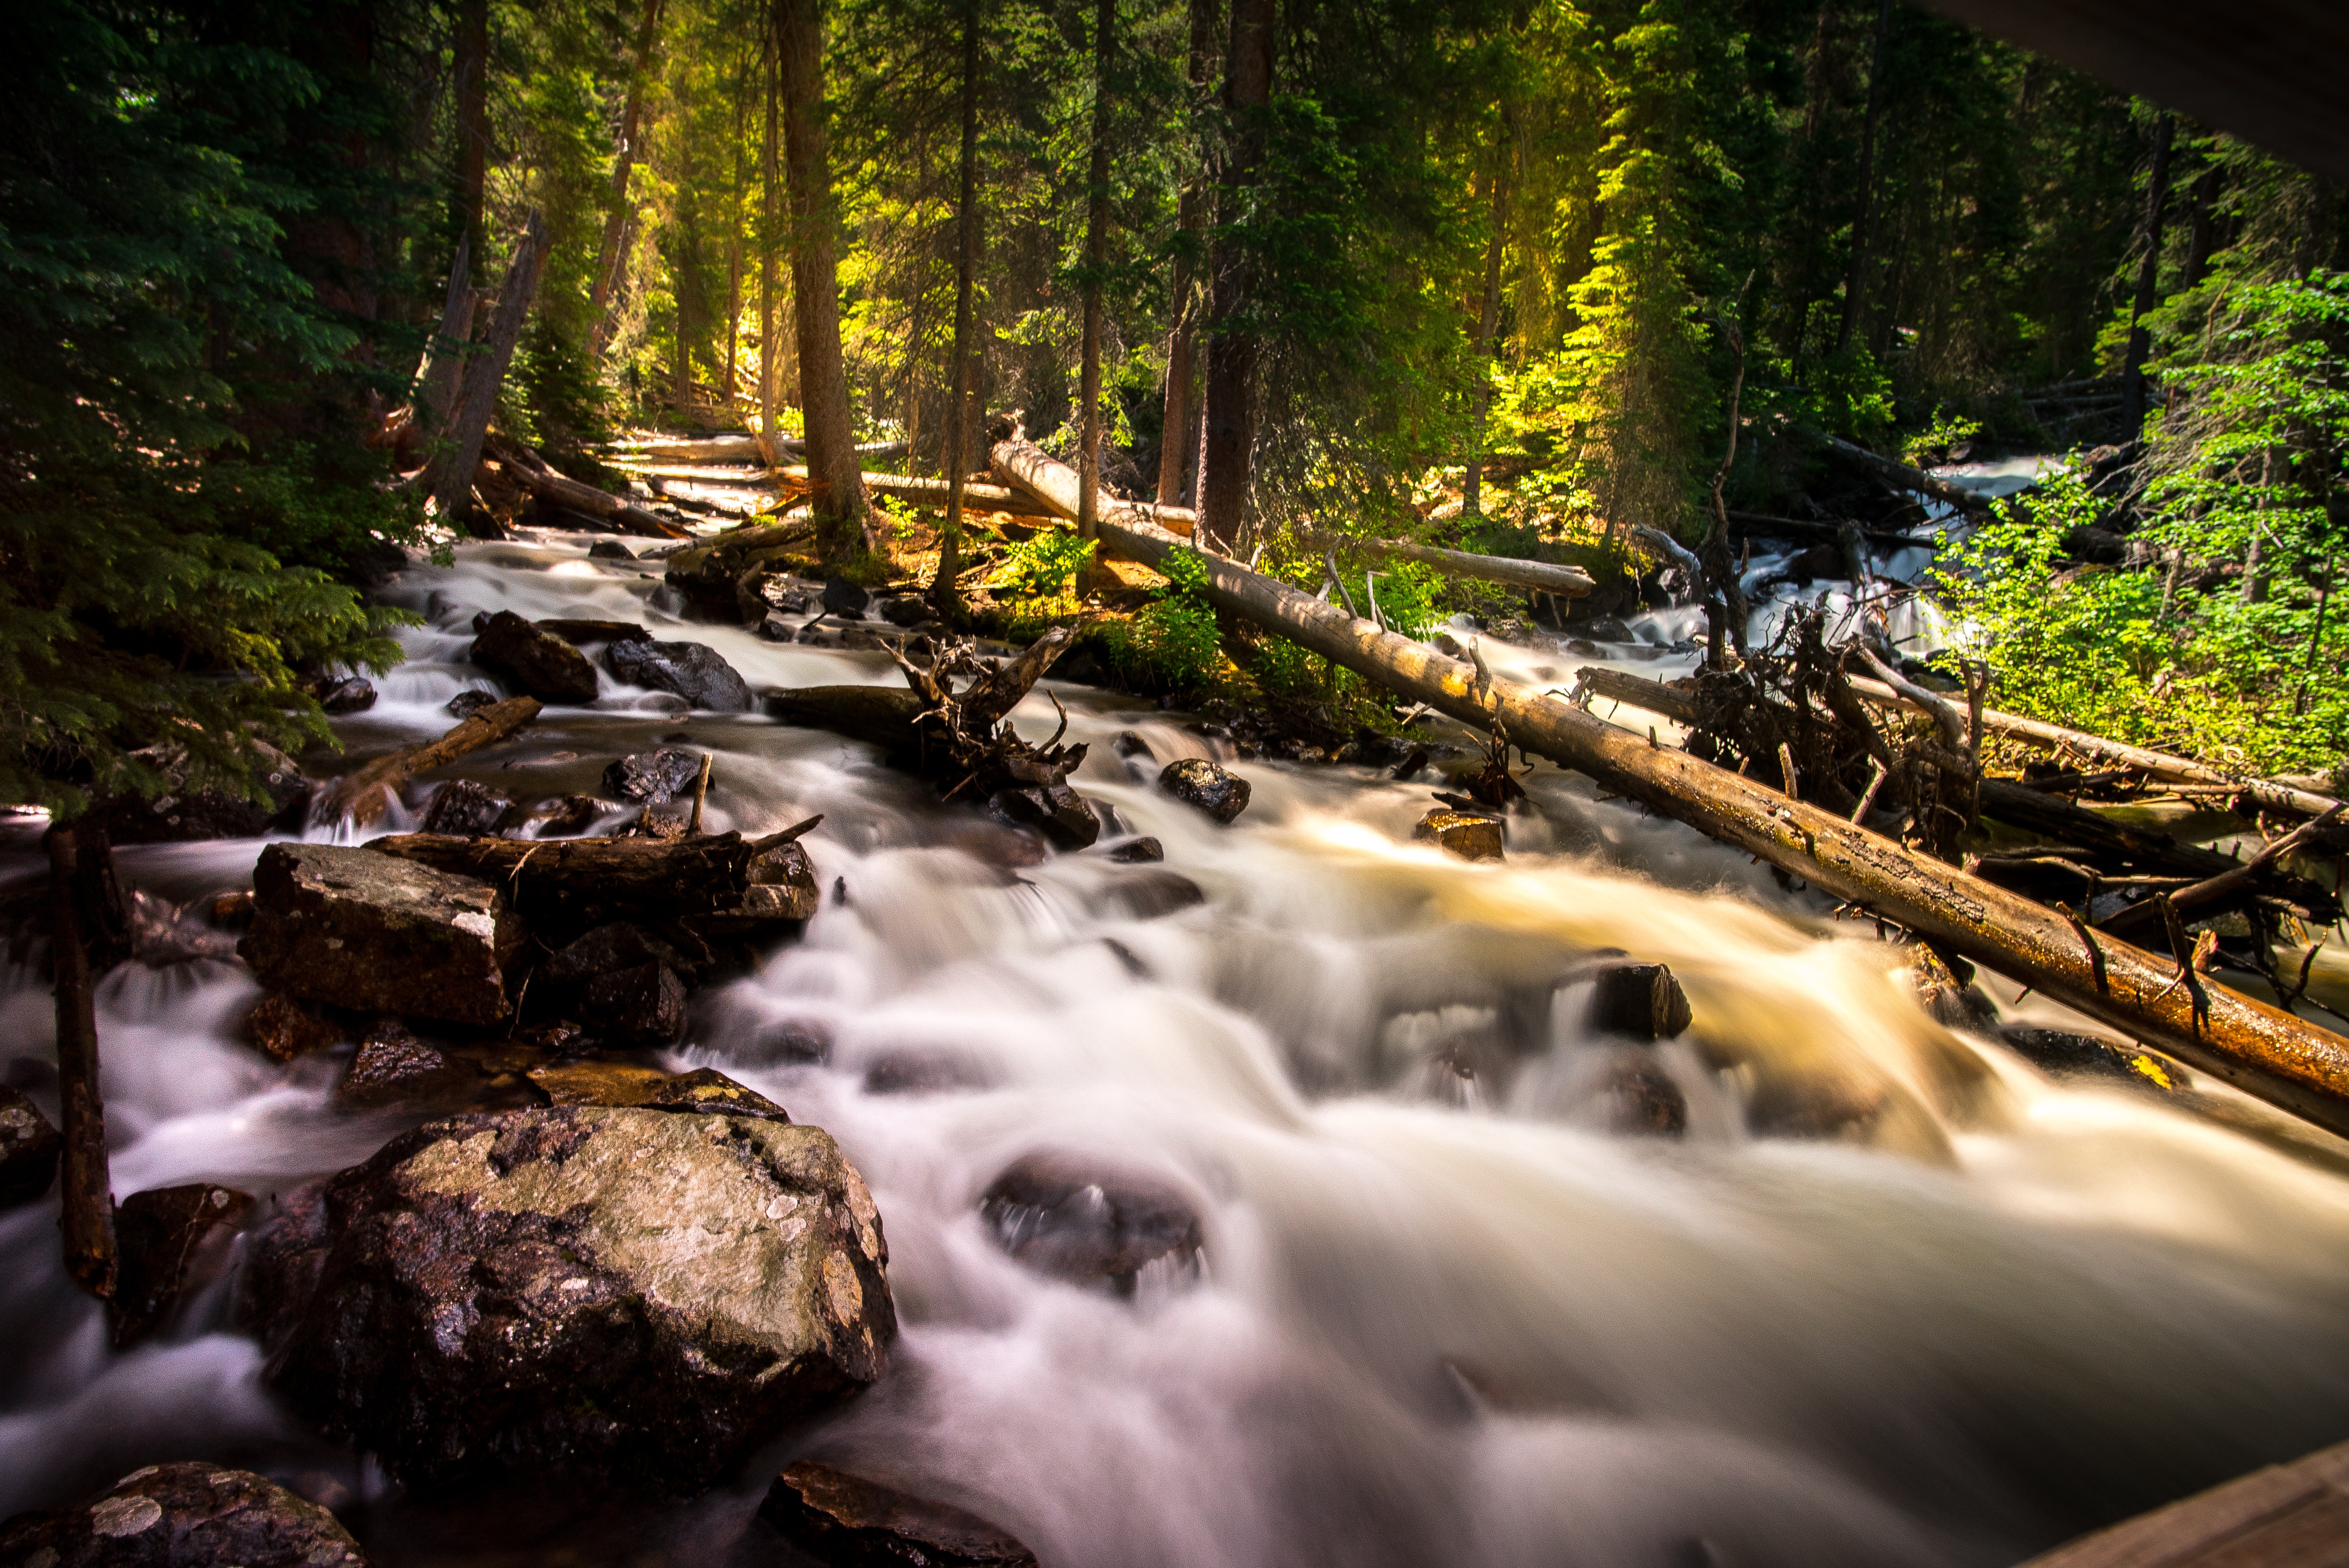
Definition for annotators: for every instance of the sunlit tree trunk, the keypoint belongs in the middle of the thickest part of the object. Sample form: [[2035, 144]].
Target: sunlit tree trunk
[[1230, 445], [1472, 487], [1096, 262], [771, 357], [942, 597], [608, 258], [1177, 444]]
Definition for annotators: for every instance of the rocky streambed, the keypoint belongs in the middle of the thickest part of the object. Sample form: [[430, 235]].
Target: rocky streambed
[[1278, 1172]]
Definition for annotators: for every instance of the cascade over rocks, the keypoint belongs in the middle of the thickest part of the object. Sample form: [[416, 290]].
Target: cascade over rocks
[[1472, 837], [693, 671], [29, 1150], [542, 664], [187, 1515], [838, 1518], [173, 1240], [1210, 787], [1080, 1221], [284, 1029], [366, 931], [582, 1295]]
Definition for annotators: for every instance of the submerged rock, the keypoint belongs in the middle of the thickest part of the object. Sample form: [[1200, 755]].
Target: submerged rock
[[172, 1241], [538, 662], [845, 599], [2068, 1055], [838, 1518], [375, 933], [466, 704], [1195, 781], [691, 670], [610, 550], [285, 1028], [188, 1515], [560, 815], [1139, 852], [1082, 1222], [465, 808], [580, 1295], [1637, 1099], [1148, 896], [29, 1150], [1470, 837], [1059, 812], [654, 777]]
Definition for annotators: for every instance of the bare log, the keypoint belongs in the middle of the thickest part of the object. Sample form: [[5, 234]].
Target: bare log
[[88, 1217], [743, 448], [2229, 886], [363, 793], [563, 884], [2261, 1049], [532, 473], [882, 716], [1649, 695], [1543, 576], [934, 493]]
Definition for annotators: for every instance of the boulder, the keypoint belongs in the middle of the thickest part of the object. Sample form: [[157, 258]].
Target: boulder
[[1195, 781], [704, 1089], [172, 1241], [466, 704], [285, 1028], [1472, 837], [1059, 812], [2067, 1055], [349, 693], [606, 950], [908, 610], [845, 599], [188, 1515], [640, 1005], [653, 777], [1641, 1000], [1084, 1222], [1137, 851], [610, 550], [29, 1150], [182, 815], [369, 931], [579, 1295], [466, 807], [838, 1518], [393, 1069], [540, 663], [691, 670], [575, 632]]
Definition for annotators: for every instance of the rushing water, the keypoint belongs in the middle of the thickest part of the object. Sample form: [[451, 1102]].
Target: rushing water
[[1441, 1320]]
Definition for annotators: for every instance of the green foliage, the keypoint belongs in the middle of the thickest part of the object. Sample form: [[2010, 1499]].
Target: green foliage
[[1172, 644], [1042, 566], [1936, 441]]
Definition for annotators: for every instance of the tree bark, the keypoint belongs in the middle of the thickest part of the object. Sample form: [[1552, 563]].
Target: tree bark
[[1176, 456], [363, 793], [444, 358], [611, 255], [1480, 398], [452, 491], [1855, 286], [76, 869], [1096, 263], [473, 118], [2148, 275], [839, 499], [771, 356], [713, 875], [945, 598], [2261, 1050], [1229, 454]]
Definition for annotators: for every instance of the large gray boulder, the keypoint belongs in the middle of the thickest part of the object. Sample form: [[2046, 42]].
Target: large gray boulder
[[694, 672], [185, 1515], [590, 1295], [536, 661], [376, 934]]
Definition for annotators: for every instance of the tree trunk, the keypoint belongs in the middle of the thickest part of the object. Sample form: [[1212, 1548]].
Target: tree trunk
[[2148, 275], [444, 358], [1855, 286], [1229, 453], [77, 870], [472, 117], [1472, 487], [610, 256], [771, 357], [1096, 263], [1176, 445], [734, 274], [839, 499], [943, 597], [452, 487]]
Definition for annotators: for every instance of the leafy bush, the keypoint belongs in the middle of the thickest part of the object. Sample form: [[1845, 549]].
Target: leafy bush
[[1172, 644]]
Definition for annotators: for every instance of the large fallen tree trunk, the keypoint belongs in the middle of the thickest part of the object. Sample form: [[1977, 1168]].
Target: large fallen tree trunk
[[363, 793], [2261, 1050], [931, 493], [745, 449], [1546, 577], [531, 471], [1906, 478]]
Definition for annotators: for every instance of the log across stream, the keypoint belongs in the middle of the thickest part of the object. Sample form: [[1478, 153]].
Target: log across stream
[[1893, 1295]]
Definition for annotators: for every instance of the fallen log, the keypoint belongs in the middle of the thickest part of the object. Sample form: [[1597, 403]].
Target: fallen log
[[1543, 576], [2227, 887], [88, 1220], [742, 448], [531, 471], [2261, 1050], [1906, 478], [363, 793], [1649, 695], [931, 493]]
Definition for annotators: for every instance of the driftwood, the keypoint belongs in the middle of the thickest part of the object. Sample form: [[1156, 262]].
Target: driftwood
[[364, 793], [531, 471], [2229, 886], [76, 872], [2259, 1048]]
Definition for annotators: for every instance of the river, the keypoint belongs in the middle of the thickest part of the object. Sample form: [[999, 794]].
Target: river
[[1441, 1320]]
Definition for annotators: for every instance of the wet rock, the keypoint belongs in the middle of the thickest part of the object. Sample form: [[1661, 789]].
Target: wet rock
[[538, 662], [907, 610], [691, 670], [863, 641], [1641, 1000], [653, 777], [466, 807], [643, 1006], [576, 632], [1472, 837], [173, 1240], [562, 816], [29, 1150], [1949, 997], [285, 1028], [466, 704], [610, 550], [188, 1515], [845, 599], [918, 1070], [393, 1068], [2067, 1055], [607, 950], [779, 593], [1134, 851], [777, 627], [1637, 1099], [795, 1040], [165, 933], [369, 931], [515, 1296], [346, 693], [182, 815], [702, 1090], [1149, 896], [838, 1518], [1059, 812], [812, 635], [1083, 1221], [1195, 781]]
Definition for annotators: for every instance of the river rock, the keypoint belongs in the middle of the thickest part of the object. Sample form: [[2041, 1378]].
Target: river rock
[[1637, 1099], [908, 610], [375, 933], [776, 626], [606, 950], [468, 703], [1195, 781], [465, 808], [596, 1297], [540, 663], [1139, 852], [172, 1241], [610, 550], [838, 1518], [1151, 895], [1948, 996], [702, 1090], [556, 816], [2067, 1055], [654, 777], [347, 694], [641, 1006], [1059, 812], [691, 670], [187, 1515], [285, 1028], [1471, 838], [1080, 1220], [181, 815], [845, 600], [392, 1068], [1641, 1000], [29, 1150]]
